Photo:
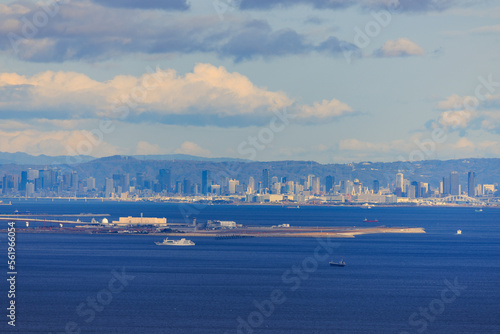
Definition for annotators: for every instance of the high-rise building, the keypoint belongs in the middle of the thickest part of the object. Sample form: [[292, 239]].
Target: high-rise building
[[446, 186], [206, 181], [125, 181], [424, 189], [139, 180], [74, 181], [471, 184], [266, 181], [376, 186], [45, 178], [90, 183], [108, 188], [329, 181], [416, 187], [30, 189], [411, 191], [232, 186], [24, 181], [251, 185], [316, 185], [310, 180], [187, 187], [164, 179], [399, 184], [454, 184], [7, 184], [33, 174]]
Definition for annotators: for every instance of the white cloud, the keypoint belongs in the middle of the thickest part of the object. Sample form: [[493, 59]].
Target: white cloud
[[456, 102], [54, 143], [457, 119], [191, 148], [469, 112], [208, 95], [325, 110], [399, 48]]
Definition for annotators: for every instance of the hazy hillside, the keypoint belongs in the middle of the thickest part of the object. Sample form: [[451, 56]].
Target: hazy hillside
[[432, 171]]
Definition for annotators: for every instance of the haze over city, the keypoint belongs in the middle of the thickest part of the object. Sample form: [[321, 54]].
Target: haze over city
[[262, 80]]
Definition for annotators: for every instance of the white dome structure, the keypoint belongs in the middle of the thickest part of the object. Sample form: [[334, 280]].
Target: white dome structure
[[105, 221]]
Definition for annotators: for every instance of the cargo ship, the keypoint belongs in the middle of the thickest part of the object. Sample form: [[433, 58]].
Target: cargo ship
[[337, 264], [182, 242], [370, 220]]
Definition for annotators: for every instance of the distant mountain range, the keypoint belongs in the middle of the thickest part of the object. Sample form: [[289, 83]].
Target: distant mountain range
[[21, 158], [190, 167]]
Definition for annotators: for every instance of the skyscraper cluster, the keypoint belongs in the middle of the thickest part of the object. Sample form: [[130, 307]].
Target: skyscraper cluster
[[263, 187]]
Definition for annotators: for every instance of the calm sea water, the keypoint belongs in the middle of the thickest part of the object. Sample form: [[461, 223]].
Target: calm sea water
[[226, 286]]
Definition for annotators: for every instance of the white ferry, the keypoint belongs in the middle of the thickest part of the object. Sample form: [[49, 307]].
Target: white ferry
[[182, 242]]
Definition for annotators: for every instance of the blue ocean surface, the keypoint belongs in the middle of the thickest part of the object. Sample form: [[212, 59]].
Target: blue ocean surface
[[437, 282]]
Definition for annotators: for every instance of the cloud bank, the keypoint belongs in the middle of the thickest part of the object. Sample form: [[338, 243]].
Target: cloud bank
[[396, 5], [208, 95], [92, 31]]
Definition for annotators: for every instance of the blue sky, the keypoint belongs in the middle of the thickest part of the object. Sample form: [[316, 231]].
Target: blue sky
[[368, 80]]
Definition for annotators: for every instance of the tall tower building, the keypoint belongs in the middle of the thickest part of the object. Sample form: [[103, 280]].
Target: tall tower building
[[186, 187], [108, 187], [310, 180], [74, 181], [446, 186], [416, 187], [251, 185], [376, 186], [266, 180], [454, 184], [399, 184], [316, 185], [24, 181], [164, 179], [206, 181], [471, 184], [139, 180], [329, 181], [125, 181]]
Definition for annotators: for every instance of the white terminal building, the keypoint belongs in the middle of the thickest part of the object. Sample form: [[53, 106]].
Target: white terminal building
[[141, 221]]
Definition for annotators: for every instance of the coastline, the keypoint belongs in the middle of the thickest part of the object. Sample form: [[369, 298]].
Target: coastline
[[289, 205]]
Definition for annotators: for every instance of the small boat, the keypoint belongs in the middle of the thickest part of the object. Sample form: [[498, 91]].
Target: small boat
[[370, 220], [479, 210], [459, 231], [337, 264], [182, 242]]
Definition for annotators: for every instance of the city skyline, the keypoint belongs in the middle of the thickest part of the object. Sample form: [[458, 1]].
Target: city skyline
[[271, 187], [346, 81]]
